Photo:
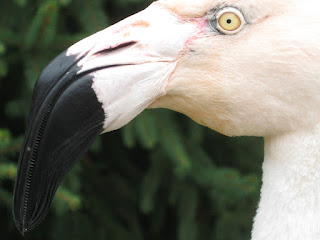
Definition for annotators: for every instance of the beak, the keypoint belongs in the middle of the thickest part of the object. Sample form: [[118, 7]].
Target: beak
[[97, 85]]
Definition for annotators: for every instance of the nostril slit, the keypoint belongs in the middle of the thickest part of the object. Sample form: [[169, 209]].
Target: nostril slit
[[117, 47]]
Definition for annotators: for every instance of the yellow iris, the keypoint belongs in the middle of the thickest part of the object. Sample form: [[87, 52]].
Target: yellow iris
[[229, 21]]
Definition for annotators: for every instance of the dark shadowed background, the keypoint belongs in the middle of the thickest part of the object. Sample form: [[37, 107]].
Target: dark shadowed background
[[160, 177]]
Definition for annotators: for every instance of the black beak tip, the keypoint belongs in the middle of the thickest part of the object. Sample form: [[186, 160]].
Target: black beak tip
[[22, 230], [20, 226], [65, 119]]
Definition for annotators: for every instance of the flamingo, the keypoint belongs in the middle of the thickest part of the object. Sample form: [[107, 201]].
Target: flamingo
[[239, 67]]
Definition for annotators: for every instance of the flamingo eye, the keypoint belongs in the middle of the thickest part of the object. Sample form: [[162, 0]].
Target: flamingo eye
[[229, 20]]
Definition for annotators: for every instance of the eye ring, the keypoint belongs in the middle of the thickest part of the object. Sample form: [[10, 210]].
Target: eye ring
[[229, 20]]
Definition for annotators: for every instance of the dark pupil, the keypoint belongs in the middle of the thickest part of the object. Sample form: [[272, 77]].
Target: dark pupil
[[229, 21]]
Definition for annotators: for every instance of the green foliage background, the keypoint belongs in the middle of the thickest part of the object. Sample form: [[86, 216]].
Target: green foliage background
[[160, 177]]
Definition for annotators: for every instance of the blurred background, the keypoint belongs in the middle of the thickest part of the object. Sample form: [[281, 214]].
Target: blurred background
[[160, 177]]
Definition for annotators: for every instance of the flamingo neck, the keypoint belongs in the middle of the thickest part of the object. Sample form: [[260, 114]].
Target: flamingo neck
[[290, 196]]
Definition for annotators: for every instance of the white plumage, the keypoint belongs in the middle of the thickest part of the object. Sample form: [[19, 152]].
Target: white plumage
[[262, 81]]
